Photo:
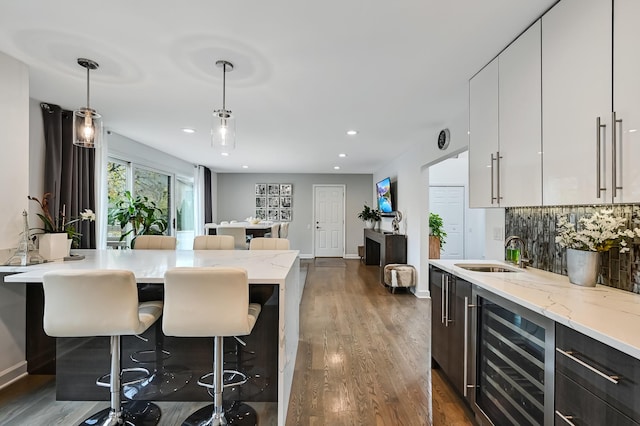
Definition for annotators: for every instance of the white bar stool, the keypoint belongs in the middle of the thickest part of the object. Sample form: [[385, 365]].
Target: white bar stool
[[102, 303], [212, 302]]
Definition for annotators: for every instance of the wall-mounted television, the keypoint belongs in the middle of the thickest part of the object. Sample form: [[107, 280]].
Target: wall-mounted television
[[384, 194]]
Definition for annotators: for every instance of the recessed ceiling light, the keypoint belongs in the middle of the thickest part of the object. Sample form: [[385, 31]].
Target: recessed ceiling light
[[245, 167], [633, 130], [336, 167], [188, 130], [224, 154], [352, 132], [342, 155]]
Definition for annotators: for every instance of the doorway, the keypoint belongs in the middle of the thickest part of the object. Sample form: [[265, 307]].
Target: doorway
[[328, 207], [448, 202]]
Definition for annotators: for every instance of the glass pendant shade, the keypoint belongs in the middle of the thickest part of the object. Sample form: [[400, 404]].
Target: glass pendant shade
[[223, 131], [87, 128], [87, 123]]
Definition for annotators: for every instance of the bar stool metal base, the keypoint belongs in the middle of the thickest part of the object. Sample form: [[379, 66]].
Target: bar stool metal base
[[159, 384], [134, 413], [236, 413]]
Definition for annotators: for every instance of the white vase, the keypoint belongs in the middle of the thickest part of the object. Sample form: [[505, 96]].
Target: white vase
[[371, 224], [53, 247], [582, 267]]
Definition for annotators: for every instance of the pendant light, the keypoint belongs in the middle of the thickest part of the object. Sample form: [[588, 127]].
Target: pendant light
[[87, 123], [223, 131]]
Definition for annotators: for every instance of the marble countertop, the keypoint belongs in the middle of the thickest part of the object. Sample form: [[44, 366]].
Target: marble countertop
[[149, 266], [606, 314]]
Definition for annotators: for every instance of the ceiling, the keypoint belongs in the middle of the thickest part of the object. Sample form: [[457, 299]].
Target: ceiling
[[305, 72]]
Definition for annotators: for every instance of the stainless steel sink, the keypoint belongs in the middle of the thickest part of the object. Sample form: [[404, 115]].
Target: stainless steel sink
[[485, 267]]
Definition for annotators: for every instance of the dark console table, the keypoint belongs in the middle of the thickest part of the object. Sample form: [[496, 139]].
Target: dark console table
[[383, 248]]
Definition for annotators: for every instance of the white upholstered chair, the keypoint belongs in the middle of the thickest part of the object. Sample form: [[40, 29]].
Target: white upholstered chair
[[91, 303], [211, 301], [284, 229], [214, 242], [274, 233], [239, 233], [260, 243], [155, 242]]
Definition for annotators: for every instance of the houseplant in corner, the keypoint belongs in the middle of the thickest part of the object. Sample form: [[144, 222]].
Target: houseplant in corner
[[139, 215], [436, 235], [370, 216], [596, 233]]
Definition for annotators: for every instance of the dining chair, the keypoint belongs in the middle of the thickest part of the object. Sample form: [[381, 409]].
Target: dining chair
[[154, 242], [284, 229], [213, 242], [263, 243], [239, 233], [274, 233]]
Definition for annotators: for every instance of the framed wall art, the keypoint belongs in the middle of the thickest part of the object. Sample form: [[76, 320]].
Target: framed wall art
[[274, 201]]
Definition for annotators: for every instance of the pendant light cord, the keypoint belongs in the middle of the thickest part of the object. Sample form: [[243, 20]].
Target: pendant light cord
[[88, 69], [224, 85]]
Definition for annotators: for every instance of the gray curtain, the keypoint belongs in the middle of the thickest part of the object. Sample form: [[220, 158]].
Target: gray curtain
[[208, 210], [69, 172]]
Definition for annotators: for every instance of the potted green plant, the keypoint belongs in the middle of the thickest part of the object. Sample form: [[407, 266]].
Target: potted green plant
[[370, 216], [436, 235], [140, 215]]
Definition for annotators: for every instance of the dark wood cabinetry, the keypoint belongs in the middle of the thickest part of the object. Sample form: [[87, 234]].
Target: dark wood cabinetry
[[450, 297], [595, 384], [383, 248]]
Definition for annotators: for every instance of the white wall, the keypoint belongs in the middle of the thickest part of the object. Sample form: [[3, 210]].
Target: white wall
[[411, 171], [455, 172], [14, 173], [236, 200]]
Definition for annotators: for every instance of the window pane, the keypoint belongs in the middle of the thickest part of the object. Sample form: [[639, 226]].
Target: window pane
[[185, 230], [155, 186], [116, 186]]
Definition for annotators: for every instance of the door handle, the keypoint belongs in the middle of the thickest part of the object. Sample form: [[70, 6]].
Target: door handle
[[442, 312], [465, 350], [614, 154], [492, 160], [566, 419]]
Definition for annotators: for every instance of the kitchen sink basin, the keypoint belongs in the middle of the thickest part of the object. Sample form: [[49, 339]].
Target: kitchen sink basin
[[485, 267]]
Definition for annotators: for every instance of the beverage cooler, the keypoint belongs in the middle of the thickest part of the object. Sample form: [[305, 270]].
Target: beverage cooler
[[513, 358]]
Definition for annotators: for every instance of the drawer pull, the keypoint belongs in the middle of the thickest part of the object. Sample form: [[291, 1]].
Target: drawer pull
[[569, 354], [567, 419]]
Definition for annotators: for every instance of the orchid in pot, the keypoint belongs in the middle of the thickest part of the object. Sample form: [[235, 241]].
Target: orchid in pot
[[595, 233]]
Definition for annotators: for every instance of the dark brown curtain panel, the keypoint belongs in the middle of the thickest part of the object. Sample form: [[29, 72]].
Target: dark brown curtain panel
[[208, 210], [69, 172]]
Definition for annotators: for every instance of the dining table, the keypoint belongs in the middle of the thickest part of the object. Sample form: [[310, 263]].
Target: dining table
[[277, 268]]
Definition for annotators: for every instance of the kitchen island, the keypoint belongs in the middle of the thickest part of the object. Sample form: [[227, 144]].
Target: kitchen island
[[275, 268]]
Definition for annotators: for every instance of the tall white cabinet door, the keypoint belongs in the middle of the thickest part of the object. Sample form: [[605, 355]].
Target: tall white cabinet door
[[626, 99], [576, 90], [520, 132], [483, 136]]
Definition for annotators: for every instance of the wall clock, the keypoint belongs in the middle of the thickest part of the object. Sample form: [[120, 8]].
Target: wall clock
[[443, 139]]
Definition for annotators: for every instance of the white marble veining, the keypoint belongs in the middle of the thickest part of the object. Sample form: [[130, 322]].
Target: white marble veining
[[280, 267], [606, 314]]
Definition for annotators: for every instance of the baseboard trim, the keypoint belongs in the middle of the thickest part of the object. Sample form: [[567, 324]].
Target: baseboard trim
[[423, 294], [13, 374]]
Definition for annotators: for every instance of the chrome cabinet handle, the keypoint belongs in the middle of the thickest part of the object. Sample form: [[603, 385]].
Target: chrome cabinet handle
[[569, 354], [492, 160], [442, 312], [465, 350], [599, 187], [567, 419], [498, 157], [446, 303], [614, 154]]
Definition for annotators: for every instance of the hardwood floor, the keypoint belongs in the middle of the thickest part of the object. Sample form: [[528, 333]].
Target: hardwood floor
[[363, 359]]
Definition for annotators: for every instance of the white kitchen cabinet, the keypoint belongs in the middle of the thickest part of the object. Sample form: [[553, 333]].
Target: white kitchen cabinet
[[626, 100], [519, 121], [483, 136], [505, 167], [576, 92]]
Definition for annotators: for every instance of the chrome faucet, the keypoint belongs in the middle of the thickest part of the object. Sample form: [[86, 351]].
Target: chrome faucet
[[522, 262]]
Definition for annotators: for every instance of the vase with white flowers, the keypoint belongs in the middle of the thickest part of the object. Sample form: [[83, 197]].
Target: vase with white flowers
[[58, 233], [595, 233]]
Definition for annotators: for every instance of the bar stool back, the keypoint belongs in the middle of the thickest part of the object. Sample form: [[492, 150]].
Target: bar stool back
[[211, 301], [155, 242], [213, 242], [260, 243], [91, 303]]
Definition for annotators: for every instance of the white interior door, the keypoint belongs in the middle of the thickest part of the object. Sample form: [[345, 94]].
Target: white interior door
[[448, 202], [329, 220]]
